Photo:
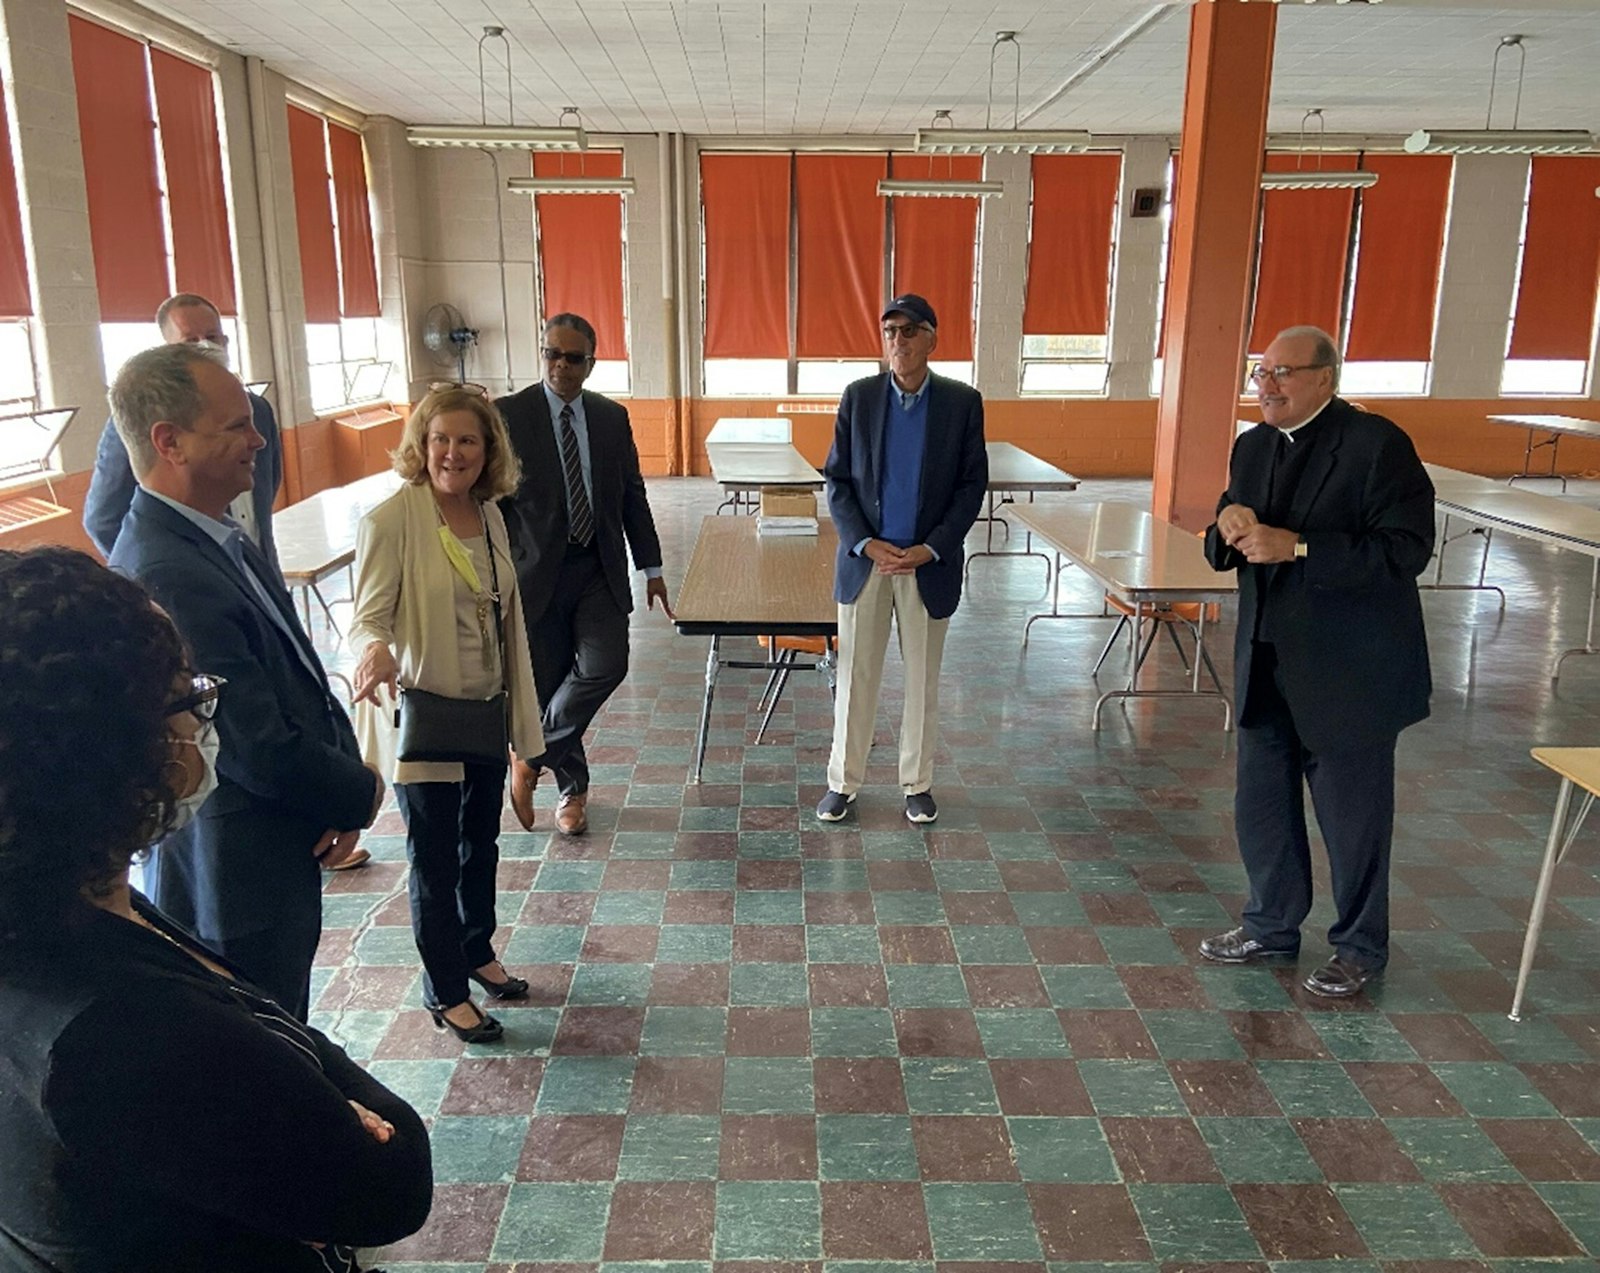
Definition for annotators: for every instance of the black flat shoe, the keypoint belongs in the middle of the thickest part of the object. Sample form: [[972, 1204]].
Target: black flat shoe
[[1338, 979], [510, 988], [486, 1031]]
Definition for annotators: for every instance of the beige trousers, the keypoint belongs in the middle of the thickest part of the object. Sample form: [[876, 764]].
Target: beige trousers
[[863, 640]]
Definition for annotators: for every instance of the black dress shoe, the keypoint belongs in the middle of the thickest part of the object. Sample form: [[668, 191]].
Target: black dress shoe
[[1237, 947], [487, 1030], [510, 988], [1339, 979]]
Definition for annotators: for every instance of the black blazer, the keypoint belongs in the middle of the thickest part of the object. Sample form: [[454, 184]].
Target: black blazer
[[955, 474], [289, 768], [1347, 621], [536, 514], [150, 1121]]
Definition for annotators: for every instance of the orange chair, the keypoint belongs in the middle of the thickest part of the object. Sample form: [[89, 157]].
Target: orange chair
[[1162, 616], [788, 649]]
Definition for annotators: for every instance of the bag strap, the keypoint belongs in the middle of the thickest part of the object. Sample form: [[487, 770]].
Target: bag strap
[[494, 595]]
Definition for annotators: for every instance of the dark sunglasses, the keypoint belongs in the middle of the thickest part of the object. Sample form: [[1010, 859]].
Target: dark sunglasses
[[201, 700], [570, 357]]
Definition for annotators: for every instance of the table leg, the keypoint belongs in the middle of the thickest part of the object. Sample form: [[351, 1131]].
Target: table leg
[[1554, 443], [1556, 846], [1588, 632], [712, 665], [1443, 541]]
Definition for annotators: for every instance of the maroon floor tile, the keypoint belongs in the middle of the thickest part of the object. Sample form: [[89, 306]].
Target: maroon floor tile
[[412, 1036], [769, 818], [334, 947], [848, 986], [1435, 1266], [1169, 877], [769, 1032], [1046, 1087], [572, 1147], [706, 846], [370, 987], [1444, 1036], [689, 985], [699, 906], [916, 944], [535, 1266], [839, 908], [1583, 1028], [1403, 1089], [1356, 1149], [1005, 986], [461, 1225], [661, 1220], [858, 1085], [963, 1147], [1223, 1089], [1120, 910], [769, 944], [864, 1220], [598, 1031], [1115, 1033], [768, 1147], [1508, 1221], [1033, 877], [1475, 989], [937, 1032], [1544, 1148], [978, 908], [1154, 986], [1065, 945], [620, 943], [649, 876], [1277, 1036], [989, 1266], [505, 1085], [958, 846], [1215, 1266], [1160, 1151], [1299, 1222], [764, 1266], [1573, 1088], [677, 1085], [1088, 846], [1087, 1222], [900, 877], [647, 818], [557, 908], [547, 984], [374, 877], [764, 874]]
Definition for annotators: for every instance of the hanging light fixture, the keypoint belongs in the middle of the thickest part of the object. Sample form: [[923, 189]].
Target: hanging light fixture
[[486, 136], [947, 187], [1316, 178], [1032, 141], [576, 183], [1492, 141]]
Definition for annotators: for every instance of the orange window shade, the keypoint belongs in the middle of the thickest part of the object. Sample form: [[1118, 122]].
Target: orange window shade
[[935, 241], [1305, 242], [1397, 272], [1560, 260], [580, 248], [358, 270], [841, 255], [745, 199], [15, 298], [313, 214], [126, 229], [202, 246], [1069, 251]]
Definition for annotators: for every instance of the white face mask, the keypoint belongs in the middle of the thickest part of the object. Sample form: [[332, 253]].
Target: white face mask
[[208, 744]]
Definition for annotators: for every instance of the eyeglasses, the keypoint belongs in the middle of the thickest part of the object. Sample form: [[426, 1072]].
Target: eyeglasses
[[465, 386], [906, 331], [201, 700], [569, 356], [1260, 373]]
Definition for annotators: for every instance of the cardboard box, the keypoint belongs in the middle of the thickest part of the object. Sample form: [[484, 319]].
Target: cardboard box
[[788, 501]]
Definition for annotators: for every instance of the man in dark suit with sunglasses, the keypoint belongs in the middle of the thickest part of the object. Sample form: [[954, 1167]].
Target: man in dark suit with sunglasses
[[582, 493]]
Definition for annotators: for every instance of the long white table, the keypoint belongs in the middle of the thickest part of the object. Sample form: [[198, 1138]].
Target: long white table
[[1555, 426], [1011, 472], [1142, 561], [742, 468], [316, 538]]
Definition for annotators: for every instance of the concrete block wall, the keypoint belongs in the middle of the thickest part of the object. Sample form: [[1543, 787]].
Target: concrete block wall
[[1002, 276]]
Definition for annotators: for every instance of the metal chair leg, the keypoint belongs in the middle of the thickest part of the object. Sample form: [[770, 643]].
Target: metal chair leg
[[1111, 641], [1172, 631], [783, 679], [1155, 631], [783, 656]]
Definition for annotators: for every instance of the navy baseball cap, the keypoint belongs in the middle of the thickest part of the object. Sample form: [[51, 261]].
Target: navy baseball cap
[[914, 305]]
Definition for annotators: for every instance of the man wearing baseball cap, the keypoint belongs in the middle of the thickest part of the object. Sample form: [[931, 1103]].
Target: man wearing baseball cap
[[906, 478]]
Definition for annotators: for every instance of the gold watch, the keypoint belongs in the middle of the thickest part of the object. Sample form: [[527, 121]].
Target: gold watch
[[1300, 548]]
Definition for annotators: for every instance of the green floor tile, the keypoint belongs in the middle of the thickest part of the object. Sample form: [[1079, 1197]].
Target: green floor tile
[[476, 1149], [1588, 1128], [1361, 1036], [544, 944], [674, 1031], [625, 907], [1192, 1035], [967, 877], [387, 946], [1531, 1039], [1247, 989], [866, 1147], [908, 907], [569, 877], [1437, 948], [1085, 986], [767, 1085], [769, 846], [988, 1222], [610, 985], [833, 875], [1132, 1089], [769, 985], [769, 906], [904, 846], [843, 944], [709, 820], [1194, 1223], [948, 1085], [1021, 1032], [1062, 1150], [670, 1147], [1020, 846], [421, 1084], [768, 1220], [528, 1032], [1409, 990], [991, 944], [642, 845], [1100, 877], [853, 1032], [926, 986], [553, 1222], [1577, 1205], [1314, 1089], [1049, 910], [779, 795], [695, 944], [1258, 1151], [357, 1031], [1140, 946], [718, 877], [1191, 910], [1451, 1149], [585, 1085], [1404, 1222], [1490, 1089]]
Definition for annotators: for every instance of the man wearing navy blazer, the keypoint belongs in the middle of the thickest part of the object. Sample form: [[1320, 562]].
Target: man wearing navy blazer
[[1328, 518], [292, 789], [581, 494], [906, 477], [186, 318]]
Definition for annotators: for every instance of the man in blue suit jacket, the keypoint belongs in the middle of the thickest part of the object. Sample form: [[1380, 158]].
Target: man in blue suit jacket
[[906, 478], [292, 789], [186, 318]]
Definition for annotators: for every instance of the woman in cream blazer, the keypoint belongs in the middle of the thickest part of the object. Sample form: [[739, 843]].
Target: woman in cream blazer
[[424, 619]]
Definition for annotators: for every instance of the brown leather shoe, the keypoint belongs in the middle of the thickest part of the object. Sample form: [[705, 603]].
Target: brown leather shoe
[[570, 816], [524, 778], [358, 858]]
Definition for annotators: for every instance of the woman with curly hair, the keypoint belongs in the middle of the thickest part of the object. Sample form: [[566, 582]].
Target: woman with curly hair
[[156, 1110]]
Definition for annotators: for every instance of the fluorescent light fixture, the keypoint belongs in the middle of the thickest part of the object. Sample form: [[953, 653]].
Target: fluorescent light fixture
[[578, 184], [906, 188], [976, 141], [497, 136], [1313, 180], [1506, 141]]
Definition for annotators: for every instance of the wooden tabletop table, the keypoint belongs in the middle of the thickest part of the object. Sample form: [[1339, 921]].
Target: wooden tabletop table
[[1555, 426], [1142, 561], [1012, 471], [317, 537], [740, 583]]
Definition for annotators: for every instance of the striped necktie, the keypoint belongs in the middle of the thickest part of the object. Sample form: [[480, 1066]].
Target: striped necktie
[[580, 517]]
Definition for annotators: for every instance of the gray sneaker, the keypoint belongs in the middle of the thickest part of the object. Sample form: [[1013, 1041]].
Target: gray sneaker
[[833, 806], [921, 808]]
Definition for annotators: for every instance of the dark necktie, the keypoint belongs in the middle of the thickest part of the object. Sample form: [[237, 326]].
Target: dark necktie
[[580, 517]]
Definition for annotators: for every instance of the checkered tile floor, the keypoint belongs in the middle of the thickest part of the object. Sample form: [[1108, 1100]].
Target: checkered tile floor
[[990, 1043]]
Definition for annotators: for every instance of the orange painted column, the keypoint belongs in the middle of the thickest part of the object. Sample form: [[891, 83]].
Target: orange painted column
[[1213, 248]]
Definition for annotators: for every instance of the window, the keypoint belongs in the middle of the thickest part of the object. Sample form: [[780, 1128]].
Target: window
[[829, 378], [746, 377], [28, 442], [19, 385], [1064, 364], [121, 341], [344, 365]]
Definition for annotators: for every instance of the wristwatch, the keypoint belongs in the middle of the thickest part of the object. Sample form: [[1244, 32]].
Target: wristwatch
[[1300, 548]]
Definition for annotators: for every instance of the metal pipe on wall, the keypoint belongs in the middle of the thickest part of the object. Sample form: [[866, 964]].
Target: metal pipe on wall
[[677, 462], [685, 239]]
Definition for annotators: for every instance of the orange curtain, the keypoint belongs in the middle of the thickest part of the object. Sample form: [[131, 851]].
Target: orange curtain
[[1305, 243], [580, 248], [1397, 271], [1560, 260], [358, 271], [841, 255], [313, 214], [935, 243], [1069, 249], [745, 199], [202, 245], [119, 169], [15, 298]]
